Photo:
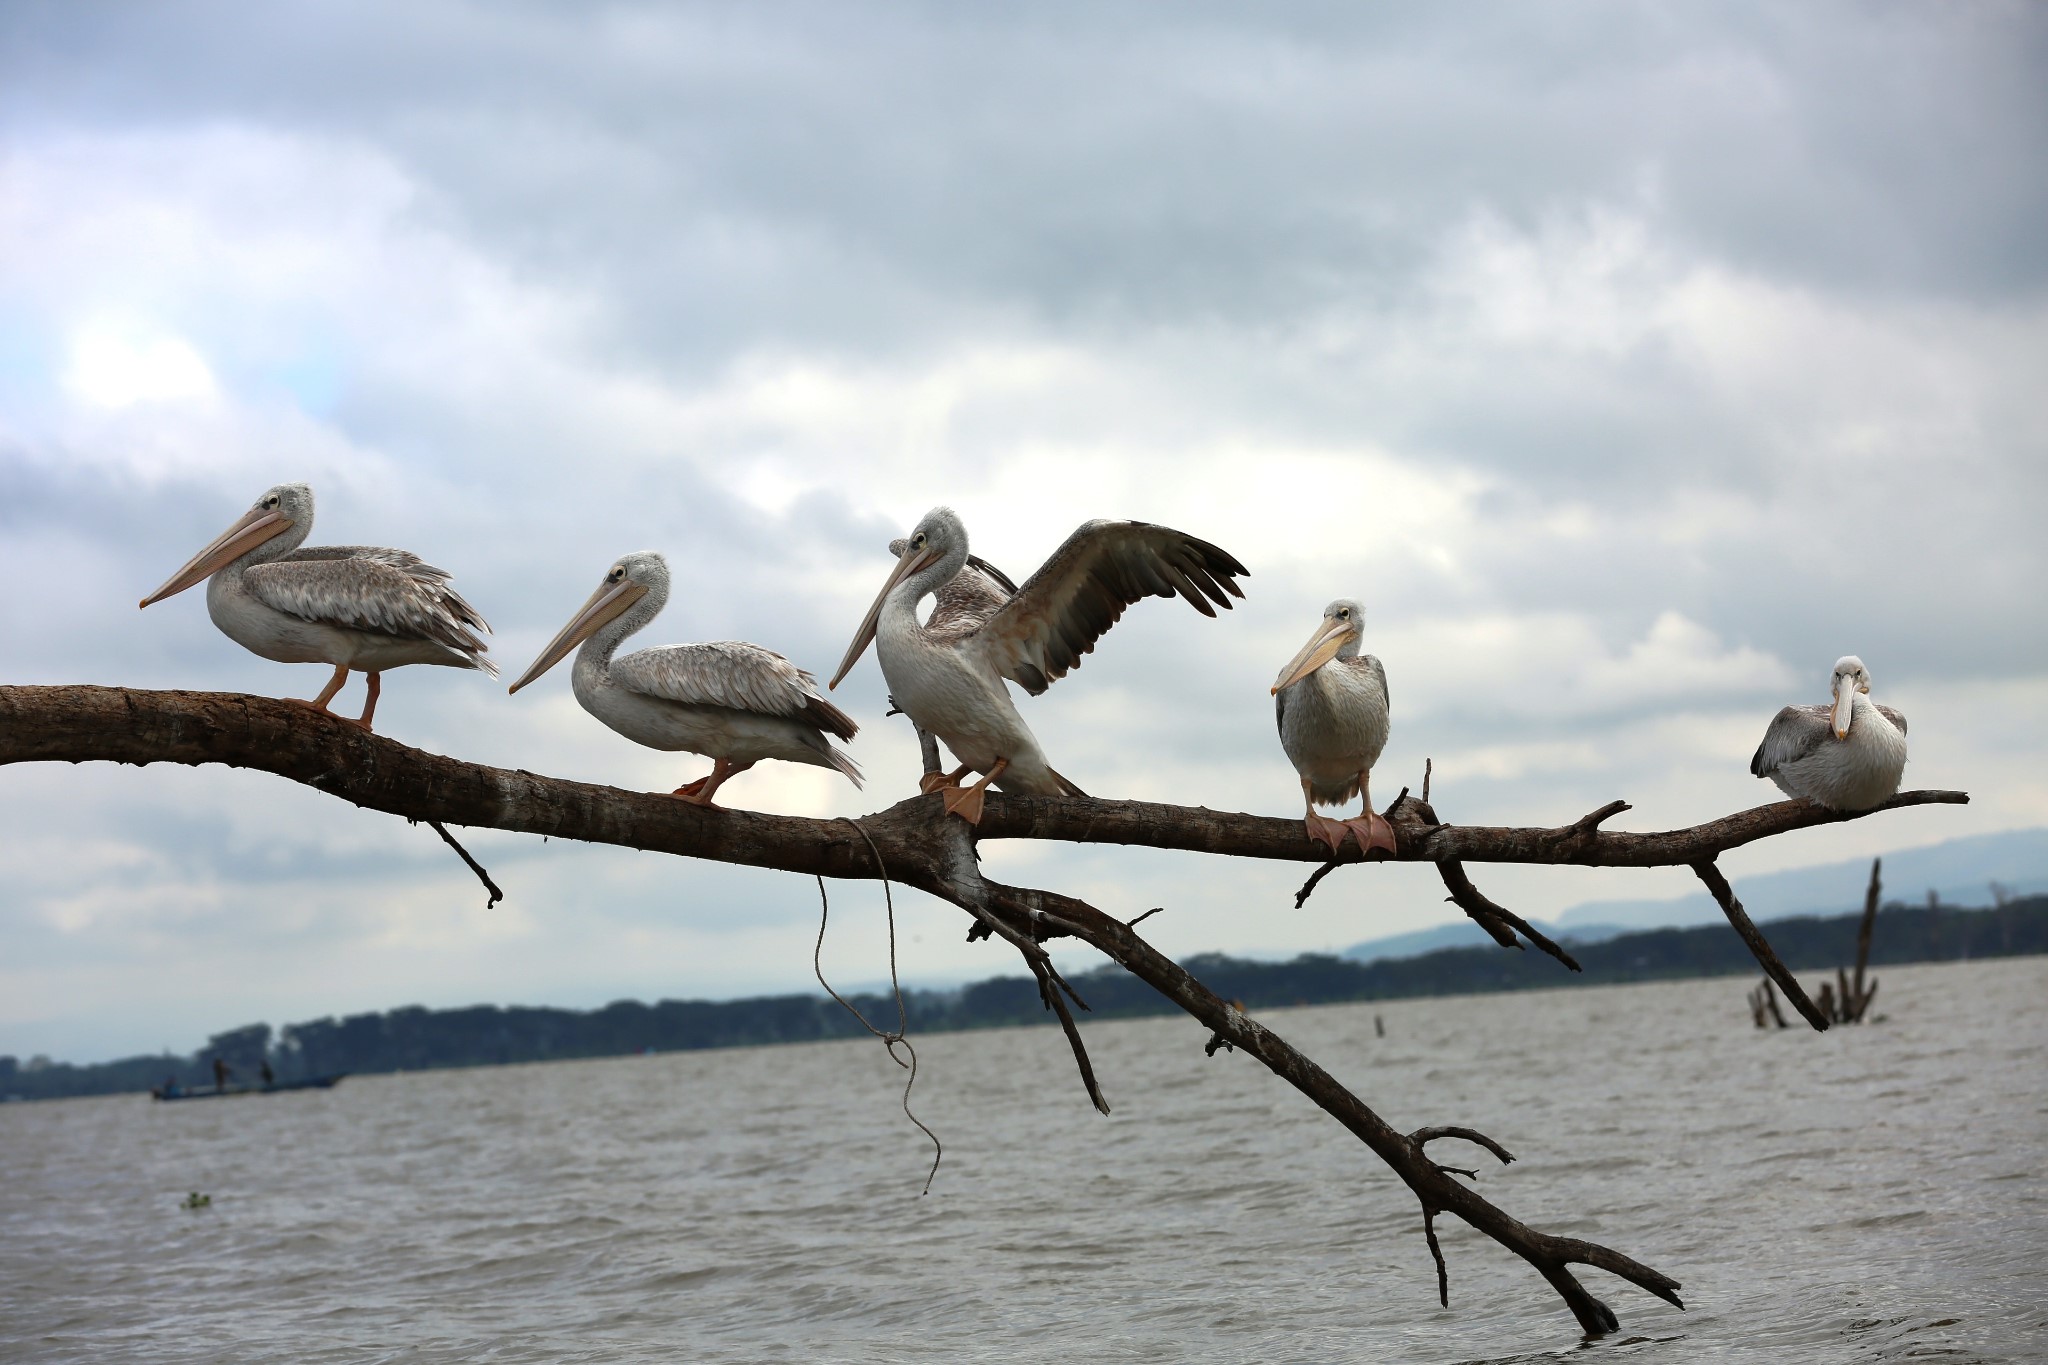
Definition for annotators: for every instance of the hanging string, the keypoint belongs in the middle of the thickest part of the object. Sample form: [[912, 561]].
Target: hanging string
[[895, 1037]]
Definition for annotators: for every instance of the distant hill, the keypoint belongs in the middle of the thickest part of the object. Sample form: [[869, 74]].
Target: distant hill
[[1960, 871], [1460, 934], [414, 1038]]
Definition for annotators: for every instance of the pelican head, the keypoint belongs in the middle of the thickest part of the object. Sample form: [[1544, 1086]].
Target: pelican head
[[1851, 677], [930, 555], [1337, 636], [282, 509], [635, 576]]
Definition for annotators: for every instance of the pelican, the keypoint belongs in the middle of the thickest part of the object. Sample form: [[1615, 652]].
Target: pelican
[[733, 702], [1330, 703], [947, 674], [1848, 755], [357, 607]]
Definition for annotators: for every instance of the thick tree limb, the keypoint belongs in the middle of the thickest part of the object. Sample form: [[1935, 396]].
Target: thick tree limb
[[126, 725], [924, 849]]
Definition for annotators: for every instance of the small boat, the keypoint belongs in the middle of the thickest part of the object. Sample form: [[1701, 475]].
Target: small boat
[[158, 1092]]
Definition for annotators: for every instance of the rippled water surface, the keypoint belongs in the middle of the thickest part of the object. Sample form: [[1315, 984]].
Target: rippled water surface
[[1873, 1194]]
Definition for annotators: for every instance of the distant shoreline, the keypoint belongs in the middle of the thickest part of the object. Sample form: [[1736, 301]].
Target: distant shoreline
[[414, 1038]]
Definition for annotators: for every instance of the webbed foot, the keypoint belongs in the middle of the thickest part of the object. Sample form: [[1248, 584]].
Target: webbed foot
[[1327, 831], [1372, 831], [966, 802]]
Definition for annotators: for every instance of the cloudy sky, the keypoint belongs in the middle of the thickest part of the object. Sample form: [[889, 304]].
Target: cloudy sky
[[1631, 362]]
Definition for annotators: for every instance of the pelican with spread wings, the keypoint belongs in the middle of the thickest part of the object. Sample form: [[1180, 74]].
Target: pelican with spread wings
[[735, 703], [948, 674], [357, 607], [1849, 754]]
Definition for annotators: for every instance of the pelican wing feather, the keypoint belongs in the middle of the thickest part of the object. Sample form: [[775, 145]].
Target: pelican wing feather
[[367, 587], [1371, 667], [1798, 731], [1042, 631], [965, 602], [732, 674]]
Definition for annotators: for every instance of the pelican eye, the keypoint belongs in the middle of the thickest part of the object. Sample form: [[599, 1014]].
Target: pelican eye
[[1344, 613], [618, 572]]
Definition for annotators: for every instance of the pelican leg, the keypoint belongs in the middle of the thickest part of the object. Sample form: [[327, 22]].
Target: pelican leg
[[700, 792], [965, 802], [1370, 827], [1321, 827], [334, 683], [932, 782], [374, 681]]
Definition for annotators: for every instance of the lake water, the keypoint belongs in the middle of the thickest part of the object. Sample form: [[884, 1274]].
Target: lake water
[[1875, 1194]]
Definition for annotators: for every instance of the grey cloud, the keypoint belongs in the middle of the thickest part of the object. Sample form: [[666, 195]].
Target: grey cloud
[[863, 176]]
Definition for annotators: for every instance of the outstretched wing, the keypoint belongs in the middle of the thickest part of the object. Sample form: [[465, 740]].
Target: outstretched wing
[[966, 602], [1057, 616], [735, 675], [1796, 732], [368, 587]]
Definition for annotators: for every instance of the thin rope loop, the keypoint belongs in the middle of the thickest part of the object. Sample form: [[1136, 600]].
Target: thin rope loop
[[899, 1033]]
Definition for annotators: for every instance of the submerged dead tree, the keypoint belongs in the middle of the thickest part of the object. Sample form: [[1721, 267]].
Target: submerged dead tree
[[1847, 999], [1853, 1000], [913, 844]]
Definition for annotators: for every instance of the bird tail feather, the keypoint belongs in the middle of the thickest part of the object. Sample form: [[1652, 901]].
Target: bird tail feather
[[844, 762]]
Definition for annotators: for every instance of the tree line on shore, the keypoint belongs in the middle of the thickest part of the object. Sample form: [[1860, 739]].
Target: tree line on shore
[[414, 1038]]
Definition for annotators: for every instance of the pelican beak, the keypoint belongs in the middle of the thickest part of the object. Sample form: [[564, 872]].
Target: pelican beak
[[604, 606], [257, 525], [909, 564], [1845, 705], [1320, 649]]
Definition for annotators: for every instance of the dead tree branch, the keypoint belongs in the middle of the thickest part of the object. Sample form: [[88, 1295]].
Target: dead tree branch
[[1857, 995], [490, 887], [1497, 920], [1759, 945], [924, 849], [1552, 1256], [1762, 1001], [1422, 1137], [77, 724]]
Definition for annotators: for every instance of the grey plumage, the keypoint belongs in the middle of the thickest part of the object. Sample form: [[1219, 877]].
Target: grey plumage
[[1803, 754], [1797, 732], [949, 674], [735, 702], [360, 608], [1331, 708], [370, 587], [1039, 634], [1339, 725], [967, 601], [732, 674]]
